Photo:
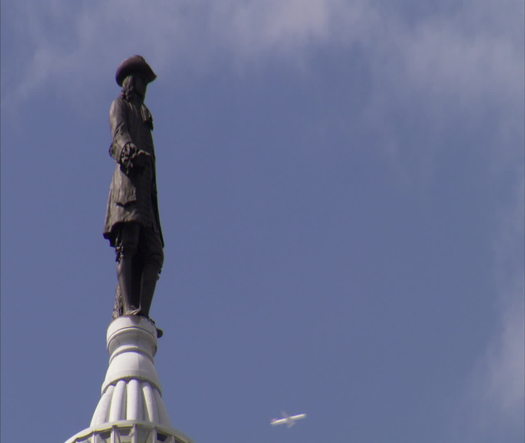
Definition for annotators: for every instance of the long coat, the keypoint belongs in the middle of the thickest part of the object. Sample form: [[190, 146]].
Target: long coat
[[133, 192]]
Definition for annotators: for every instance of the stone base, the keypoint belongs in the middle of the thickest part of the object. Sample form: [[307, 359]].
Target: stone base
[[131, 409], [129, 432]]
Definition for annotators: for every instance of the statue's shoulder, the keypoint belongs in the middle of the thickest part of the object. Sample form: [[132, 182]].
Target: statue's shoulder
[[118, 106], [118, 102]]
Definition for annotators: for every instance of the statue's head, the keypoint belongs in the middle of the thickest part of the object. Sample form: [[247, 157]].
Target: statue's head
[[135, 66], [134, 87]]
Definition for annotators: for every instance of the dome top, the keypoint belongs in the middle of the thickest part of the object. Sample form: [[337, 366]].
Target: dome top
[[131, 408]]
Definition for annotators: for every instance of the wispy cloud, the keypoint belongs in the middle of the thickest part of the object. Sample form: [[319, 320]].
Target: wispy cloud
[[467, 52], [505, 360], [493, 403]]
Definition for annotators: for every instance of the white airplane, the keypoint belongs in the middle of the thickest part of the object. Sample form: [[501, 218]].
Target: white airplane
[[288, 420]]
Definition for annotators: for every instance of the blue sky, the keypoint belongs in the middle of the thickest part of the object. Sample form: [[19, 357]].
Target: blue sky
[[341, 192]]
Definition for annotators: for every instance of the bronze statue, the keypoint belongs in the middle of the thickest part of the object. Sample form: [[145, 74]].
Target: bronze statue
[[132, 219]]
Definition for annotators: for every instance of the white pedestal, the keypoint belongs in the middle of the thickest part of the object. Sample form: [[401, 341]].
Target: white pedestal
[[131, 409]]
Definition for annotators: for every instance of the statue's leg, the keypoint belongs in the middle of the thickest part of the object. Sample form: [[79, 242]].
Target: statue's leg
[[153, 258], [129, 290], [117, 307], [136, 277]]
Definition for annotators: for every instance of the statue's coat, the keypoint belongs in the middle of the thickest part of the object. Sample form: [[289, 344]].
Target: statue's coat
[[133, 193]]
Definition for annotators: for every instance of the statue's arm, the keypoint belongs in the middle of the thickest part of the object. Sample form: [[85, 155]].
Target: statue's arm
[[122, 140], [122, 149]]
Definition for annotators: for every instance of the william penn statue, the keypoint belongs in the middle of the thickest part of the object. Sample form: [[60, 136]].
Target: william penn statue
[[132, 219]]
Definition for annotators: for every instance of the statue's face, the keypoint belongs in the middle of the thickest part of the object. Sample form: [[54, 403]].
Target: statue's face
[[140, 85]]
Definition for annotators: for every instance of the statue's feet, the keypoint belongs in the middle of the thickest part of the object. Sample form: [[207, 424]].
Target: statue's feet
[[160, 332], [133, 311]]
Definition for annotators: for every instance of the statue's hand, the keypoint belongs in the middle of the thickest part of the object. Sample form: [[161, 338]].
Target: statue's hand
[[129, 151], [132, 147]]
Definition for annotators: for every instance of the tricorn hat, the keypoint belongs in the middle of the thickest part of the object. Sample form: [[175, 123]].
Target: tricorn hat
[[135, 64]]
